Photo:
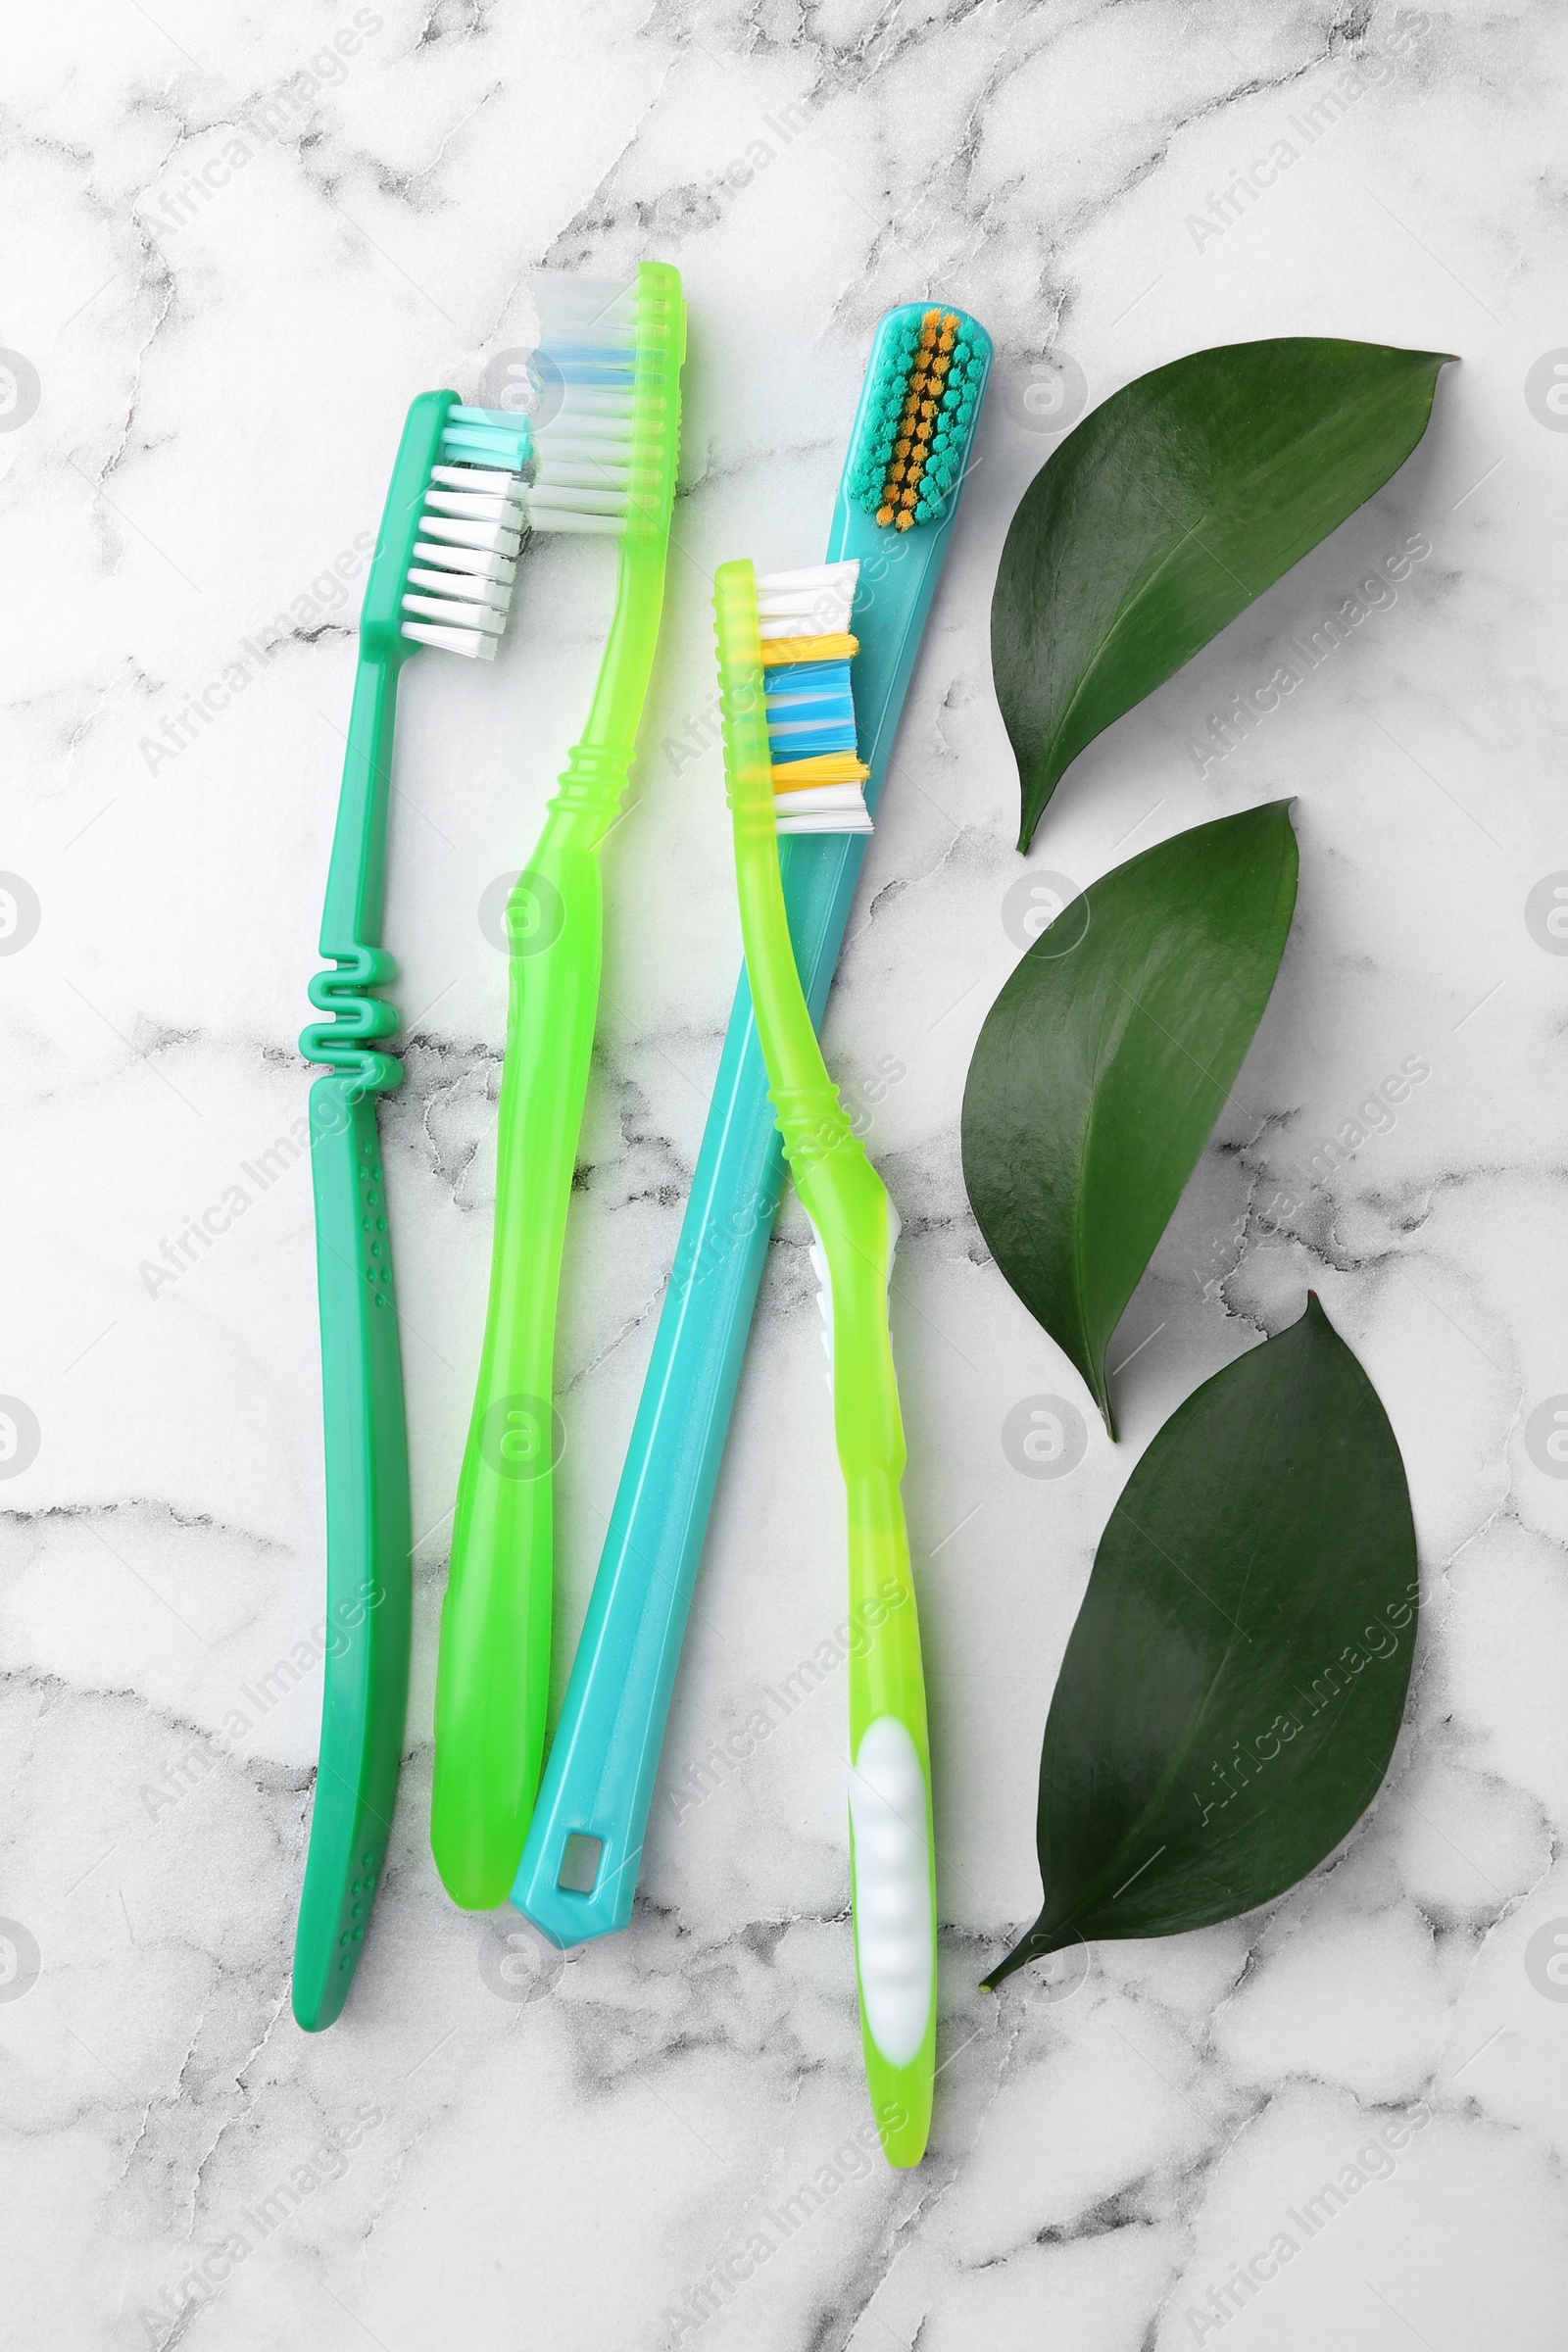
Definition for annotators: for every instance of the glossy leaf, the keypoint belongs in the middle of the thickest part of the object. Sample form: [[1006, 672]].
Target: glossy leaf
[[1168, 509], [1102, 1065], [1235, 1683]]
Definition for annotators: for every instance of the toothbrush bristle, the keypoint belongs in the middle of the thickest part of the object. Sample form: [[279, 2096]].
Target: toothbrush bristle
[[584, 372], [594, 454], [457, 590], [804, 622], [919, 416]]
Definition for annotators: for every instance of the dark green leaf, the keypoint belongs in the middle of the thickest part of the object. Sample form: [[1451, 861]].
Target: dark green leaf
[[1234, 1684], [1169, 509], [1103, 1063]]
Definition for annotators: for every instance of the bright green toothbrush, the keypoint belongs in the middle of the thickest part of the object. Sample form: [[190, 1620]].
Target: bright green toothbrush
[[605, 436], [789, 753], [441, 575]]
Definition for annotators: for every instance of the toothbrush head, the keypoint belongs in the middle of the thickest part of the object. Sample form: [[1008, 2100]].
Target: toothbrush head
[[917, 417], [803, 631], [457, 584], [784, 654], [600, 443], [596, 453]]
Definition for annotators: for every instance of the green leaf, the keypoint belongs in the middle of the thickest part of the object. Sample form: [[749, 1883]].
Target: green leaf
[[1168, 509], [1104, 1062], [1234, 1686]]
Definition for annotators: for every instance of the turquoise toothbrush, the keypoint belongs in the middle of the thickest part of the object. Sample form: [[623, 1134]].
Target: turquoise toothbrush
[[579, 1866], [441, 575]]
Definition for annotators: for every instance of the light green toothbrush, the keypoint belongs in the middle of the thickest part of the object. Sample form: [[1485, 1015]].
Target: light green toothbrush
[[603, 437], [789, 757]]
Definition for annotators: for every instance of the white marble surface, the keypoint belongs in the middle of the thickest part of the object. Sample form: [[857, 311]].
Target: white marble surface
[[218, 399]]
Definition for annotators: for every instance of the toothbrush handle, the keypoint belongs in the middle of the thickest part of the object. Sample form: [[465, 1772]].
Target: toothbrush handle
[[365, 1676], [493, 1672], [891, 1857], [603, 1758], [599, 1780], [367, 1545]]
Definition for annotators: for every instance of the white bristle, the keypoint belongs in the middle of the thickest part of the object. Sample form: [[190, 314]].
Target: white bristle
[[822, 808], [815, 603], [476, 480], [466, 615], [599, 473], [482, 565], [597, 501], [562, 519], [492, 536], [459, 587], [557, 296], [503, 510], [473, 642], [607, 443], [583, 431], [588, 408]]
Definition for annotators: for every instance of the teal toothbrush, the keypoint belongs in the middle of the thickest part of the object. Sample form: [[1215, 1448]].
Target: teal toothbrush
[[441, 575], [581, 1863]]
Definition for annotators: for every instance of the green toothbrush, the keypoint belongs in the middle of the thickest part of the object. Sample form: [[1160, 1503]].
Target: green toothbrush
[[784, 652], [605, 437], [441, 575]]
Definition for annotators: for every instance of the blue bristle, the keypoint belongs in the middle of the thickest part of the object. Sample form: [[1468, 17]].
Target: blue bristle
[[592, 363], [811, 710], [486, 437]]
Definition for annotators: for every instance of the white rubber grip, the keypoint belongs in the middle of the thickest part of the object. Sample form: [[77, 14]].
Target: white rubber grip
[[895, 1942], [824, 1281]]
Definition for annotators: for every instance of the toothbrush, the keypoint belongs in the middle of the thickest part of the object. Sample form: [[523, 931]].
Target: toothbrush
[[579, 1866], [605, 438], [789, 759], [441, 575]]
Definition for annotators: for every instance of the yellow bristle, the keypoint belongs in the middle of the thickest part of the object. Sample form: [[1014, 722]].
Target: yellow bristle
[[778, 649], [829, 767], [929, 367]]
